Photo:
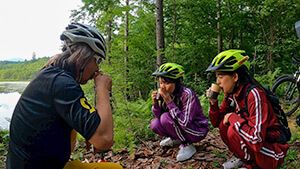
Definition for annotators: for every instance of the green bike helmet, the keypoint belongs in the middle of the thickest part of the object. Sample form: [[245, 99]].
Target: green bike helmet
[[229, 61], [169, 70]]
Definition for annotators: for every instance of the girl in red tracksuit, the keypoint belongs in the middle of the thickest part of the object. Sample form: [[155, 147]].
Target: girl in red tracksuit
[[251, 136]]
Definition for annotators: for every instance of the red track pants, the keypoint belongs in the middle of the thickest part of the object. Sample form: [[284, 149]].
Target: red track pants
[[270, 156]]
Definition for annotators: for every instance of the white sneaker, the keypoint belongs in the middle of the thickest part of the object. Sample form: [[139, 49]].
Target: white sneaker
[[186, 152], [168, 142], [232, 163]]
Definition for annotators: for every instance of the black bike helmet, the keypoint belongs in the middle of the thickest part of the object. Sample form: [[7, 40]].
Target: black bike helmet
[[77, 32]]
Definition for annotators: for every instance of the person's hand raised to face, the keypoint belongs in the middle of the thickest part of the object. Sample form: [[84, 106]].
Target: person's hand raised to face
[[166, 89]]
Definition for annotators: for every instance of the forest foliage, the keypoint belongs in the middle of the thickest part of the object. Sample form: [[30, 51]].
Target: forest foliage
[[264, 29], [194, 32], [21, 71]]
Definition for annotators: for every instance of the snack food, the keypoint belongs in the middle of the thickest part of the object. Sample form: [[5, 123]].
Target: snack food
[[157, 95]]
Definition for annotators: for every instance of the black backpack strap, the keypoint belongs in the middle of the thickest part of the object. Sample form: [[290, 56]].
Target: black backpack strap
[[245, 109], [285, 131]]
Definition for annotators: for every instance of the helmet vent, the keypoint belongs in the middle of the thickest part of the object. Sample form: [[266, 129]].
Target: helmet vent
[[220, 61], [100, 46], [231, 62], [81, 33], [168, 68]]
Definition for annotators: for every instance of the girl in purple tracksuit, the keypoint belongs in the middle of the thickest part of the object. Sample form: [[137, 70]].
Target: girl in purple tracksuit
[[178, 112]]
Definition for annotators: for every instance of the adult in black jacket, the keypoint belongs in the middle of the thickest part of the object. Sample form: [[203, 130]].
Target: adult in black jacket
[[53, 105]]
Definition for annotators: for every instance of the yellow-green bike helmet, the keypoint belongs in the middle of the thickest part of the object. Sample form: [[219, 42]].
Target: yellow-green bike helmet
[[229, 61], [169, 70]]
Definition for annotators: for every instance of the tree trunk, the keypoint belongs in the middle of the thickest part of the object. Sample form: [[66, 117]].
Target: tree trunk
[[231, 44], [126, 51], [196, 77], [218, 28], [174, 31], [160, 44], [126, 29], [254, 57], [109, 30], [240, 35], [272, 43]]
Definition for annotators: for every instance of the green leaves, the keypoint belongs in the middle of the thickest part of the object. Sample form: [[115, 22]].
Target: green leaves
[[264, 29], [4, 140], [22, 70]]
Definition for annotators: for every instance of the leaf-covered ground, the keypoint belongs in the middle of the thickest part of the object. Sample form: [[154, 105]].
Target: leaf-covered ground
[[211, 153]]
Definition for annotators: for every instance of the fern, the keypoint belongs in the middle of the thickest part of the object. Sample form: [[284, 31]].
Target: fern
[[132, 121]]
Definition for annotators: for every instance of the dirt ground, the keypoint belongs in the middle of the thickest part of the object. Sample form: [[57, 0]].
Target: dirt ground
[[211, 154]]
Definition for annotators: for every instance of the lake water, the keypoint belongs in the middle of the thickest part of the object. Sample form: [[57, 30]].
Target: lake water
[[10, 93]]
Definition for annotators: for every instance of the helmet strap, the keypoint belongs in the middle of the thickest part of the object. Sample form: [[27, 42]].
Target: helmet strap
[[67, 46], [81, 70]]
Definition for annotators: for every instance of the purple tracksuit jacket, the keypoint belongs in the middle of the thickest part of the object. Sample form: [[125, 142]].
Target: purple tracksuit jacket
[[187, 124]]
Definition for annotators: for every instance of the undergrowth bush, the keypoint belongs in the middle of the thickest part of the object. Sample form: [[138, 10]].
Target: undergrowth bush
[[132, 124], [4, 140], [269, 78]]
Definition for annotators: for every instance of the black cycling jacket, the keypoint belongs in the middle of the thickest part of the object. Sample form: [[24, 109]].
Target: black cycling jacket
[[50, 107]]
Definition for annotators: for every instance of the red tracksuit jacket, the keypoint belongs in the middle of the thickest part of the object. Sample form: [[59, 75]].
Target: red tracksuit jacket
[[253, 136]]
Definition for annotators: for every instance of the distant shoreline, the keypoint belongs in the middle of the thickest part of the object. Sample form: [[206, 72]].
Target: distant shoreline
[[13, 81]]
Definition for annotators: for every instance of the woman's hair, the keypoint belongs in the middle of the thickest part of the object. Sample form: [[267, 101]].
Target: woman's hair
[[170, 80], [244, 77], [69, 59], [175, 95]]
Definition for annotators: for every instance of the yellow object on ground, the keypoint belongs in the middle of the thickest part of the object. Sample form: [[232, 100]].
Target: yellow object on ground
[[103, 165]]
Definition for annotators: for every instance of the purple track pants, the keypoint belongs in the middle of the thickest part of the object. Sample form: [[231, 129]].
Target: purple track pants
[[166, 126]]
